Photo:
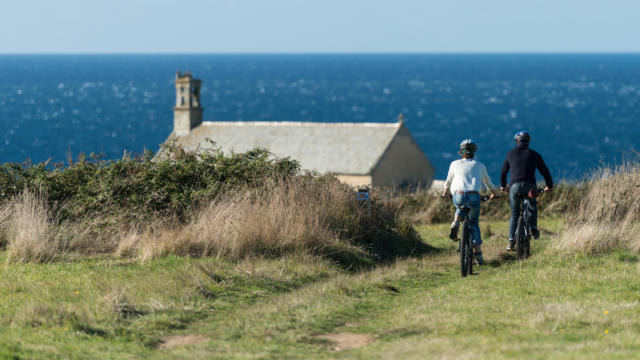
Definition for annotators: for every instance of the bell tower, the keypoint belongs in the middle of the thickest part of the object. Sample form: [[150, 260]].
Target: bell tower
[[187, 114]]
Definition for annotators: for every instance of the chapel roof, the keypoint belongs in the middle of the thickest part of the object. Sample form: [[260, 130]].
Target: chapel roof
[[344, 148]]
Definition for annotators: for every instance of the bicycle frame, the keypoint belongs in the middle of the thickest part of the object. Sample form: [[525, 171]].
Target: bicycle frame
[[523, 229], [466, 247]]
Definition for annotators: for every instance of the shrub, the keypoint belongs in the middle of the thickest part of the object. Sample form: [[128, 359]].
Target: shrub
[[137, 188], [199, 204]]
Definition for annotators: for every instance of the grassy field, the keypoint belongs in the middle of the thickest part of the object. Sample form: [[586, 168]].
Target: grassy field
[[549, 306]]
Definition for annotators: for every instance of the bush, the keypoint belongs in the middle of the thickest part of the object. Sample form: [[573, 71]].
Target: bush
[[204, 204], [137, 188]]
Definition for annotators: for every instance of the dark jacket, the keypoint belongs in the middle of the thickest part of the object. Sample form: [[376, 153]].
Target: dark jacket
[[523, 162]]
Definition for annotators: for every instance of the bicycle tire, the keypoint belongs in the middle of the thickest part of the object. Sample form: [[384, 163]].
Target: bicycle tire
[[469, 256], [465, 249], [527, 234], [520, 238]]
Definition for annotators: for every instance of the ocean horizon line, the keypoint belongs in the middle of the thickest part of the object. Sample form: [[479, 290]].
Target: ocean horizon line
[[381, 53]]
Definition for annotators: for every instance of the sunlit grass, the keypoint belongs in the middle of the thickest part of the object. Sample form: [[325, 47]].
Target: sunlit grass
[[549, 306]]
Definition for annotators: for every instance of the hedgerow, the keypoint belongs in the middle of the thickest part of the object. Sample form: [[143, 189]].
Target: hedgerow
[[137, 187], [194, 204]]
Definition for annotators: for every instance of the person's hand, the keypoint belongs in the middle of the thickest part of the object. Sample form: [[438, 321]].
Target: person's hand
[[446, 193], [492, 196], [548, 189], [504, 189]]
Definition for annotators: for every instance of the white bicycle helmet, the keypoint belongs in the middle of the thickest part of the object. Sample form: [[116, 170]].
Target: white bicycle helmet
[[468, 145]]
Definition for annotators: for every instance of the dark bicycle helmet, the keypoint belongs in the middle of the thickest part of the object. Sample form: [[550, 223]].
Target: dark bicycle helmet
[[522, 136], [468, 145]]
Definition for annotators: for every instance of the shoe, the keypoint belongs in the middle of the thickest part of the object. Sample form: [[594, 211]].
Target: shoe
[[479, 259], [535, 233], [453, 233], [511, 246]]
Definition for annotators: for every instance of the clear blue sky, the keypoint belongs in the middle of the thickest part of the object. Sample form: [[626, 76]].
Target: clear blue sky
[[304, 26]]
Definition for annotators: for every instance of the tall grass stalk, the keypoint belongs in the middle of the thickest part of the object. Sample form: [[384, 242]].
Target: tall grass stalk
[[31, 234]]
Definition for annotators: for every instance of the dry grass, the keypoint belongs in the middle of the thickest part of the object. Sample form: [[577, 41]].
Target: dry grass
[[280, 218], [609, 215], [304, 215], [30, 232]]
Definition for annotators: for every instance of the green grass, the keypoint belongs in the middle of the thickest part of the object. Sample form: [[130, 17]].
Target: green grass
[[549, 306], [106, 308]]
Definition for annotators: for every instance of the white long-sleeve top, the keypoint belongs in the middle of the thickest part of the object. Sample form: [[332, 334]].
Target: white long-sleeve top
[[467, 175]]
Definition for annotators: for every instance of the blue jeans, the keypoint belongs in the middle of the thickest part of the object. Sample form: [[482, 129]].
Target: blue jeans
[[517, 192], [471, 201]]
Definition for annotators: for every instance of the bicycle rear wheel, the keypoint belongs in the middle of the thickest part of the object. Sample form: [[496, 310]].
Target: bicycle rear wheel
[[469, 257], [466, 252]]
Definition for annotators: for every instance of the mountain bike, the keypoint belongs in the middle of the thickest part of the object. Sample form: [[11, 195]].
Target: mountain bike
[[466, 247], [523, 230]]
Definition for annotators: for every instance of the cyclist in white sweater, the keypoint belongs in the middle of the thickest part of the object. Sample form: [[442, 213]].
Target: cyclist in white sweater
[[465, 179]]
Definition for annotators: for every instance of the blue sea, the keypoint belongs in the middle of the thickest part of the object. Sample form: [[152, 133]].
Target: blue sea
[[582, 110]]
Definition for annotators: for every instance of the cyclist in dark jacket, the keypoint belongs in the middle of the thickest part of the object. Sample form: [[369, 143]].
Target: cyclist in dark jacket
[[522, 162]]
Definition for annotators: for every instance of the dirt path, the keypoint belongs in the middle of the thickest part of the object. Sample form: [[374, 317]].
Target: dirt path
[[170, 342], [346, 341]]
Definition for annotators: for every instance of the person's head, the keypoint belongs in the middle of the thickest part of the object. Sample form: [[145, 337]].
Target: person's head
[[468, 148], [522, 138]]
